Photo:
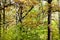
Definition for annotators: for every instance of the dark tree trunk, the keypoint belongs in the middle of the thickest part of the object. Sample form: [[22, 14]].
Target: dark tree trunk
[[20, 16], [0, 24], [0, 21], [4, 27], [49, 20], [59, 18], [59, 24], [4, 18]]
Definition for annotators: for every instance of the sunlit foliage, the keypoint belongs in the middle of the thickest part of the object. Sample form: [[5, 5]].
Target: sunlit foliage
[[34, 25]]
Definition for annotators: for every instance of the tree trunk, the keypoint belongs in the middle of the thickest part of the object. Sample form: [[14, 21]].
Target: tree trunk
[[4, 27], [0, 24], [59, 25], [4, 18], [20, 19], [0, 21], [59, 18], [49, 20]]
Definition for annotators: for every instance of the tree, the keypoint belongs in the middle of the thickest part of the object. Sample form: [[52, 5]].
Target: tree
[[0, 21], [49, 20], [21, 9]]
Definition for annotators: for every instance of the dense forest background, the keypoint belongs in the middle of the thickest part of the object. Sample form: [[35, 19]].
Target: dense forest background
[[29, 20]]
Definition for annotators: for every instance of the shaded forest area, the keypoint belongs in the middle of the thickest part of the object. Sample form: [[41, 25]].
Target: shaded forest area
[[29, 19]]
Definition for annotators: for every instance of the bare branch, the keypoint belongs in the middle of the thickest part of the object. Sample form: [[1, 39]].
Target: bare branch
[[1, 8], [28, 11]]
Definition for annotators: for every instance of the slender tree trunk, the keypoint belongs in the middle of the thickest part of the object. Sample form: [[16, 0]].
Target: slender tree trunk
[[20, 17], [49, 20], [4, 18], [59, 25], [0, 25], [59, 18], [4, 27], [0, 21]]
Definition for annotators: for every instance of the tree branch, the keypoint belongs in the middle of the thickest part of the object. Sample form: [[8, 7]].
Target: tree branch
[[4, 6], [28, 12]]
